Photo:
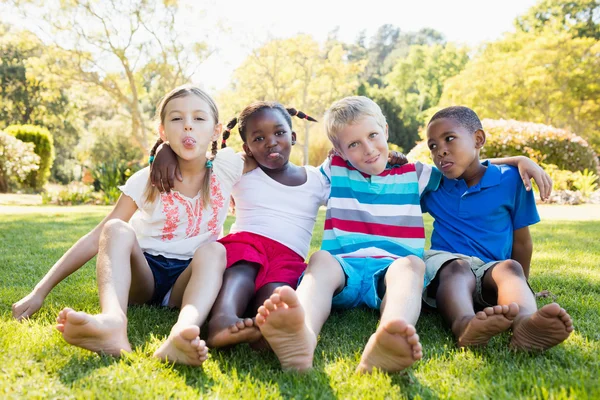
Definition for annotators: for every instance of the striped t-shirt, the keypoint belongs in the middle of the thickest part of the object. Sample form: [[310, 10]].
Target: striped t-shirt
[[376, 215]]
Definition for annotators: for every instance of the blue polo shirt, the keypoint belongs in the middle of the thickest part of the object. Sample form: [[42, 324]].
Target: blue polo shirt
[[480, 220]]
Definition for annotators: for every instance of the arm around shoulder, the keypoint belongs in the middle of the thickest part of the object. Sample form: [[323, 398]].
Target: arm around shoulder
[[80, 253], [529, 169]]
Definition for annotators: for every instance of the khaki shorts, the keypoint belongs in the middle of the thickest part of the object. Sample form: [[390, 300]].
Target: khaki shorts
[[435, 260]]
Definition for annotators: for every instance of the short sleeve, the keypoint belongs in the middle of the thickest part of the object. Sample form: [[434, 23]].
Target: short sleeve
[[136, 186], [524, 212], [429, 177], [228, 165], [325, 169], [324, 187]]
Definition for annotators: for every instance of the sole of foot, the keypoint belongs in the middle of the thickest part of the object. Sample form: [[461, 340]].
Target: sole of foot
[[393, 347], [230, 330], [281, 321], [100, 333], [545, 328], [183, 346], [486, 324]]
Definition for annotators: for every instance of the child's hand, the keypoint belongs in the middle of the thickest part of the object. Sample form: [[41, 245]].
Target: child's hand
[[395, 158], [529, 169], [332, 153], [164, 169], [27, 306], [249, 163]]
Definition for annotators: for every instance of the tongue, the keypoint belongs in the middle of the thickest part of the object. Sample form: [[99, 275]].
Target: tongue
[[189, 142], [273, 155]]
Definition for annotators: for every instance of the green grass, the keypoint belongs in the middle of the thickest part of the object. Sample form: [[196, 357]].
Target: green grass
[[35, 362]]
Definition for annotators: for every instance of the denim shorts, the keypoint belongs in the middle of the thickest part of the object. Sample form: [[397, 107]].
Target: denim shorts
[[363, 277], [165, 272]]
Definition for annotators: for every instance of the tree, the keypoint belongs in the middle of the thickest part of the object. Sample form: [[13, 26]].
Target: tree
[[415, 85], [580, 18], [544, 77], [295, 72], [386, 47], [30, 94], [130, 50]]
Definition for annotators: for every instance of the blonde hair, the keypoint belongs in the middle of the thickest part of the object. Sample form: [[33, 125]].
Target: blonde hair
[[348, 111], [182, 91]]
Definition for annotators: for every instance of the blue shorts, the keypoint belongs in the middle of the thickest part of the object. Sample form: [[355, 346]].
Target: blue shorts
[[165, 272], [363, 277]]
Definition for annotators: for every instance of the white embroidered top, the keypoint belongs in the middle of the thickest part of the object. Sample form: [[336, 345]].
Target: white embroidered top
[[174, 225]]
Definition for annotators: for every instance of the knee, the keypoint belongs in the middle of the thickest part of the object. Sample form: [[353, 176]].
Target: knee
[[410, 263], [454, 268], [509, 267], [117, 228], [323, 263], [213, 251]]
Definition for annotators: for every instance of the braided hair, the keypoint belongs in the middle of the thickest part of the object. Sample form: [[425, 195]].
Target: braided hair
[[248, 112]]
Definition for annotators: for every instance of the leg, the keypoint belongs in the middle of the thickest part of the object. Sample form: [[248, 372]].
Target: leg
[[533, 329], [291, 321], [456, 285], [226, 326], [195, 290], [395, 345], [120, 261]]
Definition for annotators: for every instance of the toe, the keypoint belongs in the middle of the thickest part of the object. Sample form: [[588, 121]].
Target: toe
[[248, 322], [240, 325], [413, 339], [269, 304], [262, 311]]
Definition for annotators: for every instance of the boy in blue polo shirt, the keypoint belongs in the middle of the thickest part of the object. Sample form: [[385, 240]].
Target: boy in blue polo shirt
[[481, 246]]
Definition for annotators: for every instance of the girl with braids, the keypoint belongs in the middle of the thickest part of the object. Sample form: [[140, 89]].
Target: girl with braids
[[155, 259], [276, 209]]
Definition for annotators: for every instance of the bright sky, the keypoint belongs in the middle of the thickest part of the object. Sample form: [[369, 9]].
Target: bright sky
[[251, 23], [234, 27]]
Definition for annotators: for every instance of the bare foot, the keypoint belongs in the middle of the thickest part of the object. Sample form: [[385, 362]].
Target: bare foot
[[225, 330], [183, 346], [393, 347], [545, 328], [486, 324], [100, 333], [281, 321]]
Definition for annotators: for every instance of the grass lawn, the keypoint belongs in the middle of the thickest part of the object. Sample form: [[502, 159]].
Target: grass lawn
[[35, 361]]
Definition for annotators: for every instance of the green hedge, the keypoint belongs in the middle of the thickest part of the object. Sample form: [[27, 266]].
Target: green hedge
[[44, 147], [542, 143]]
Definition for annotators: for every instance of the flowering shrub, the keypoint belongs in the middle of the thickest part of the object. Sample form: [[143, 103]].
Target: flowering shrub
[[75, 193], [43, 147], [17, 160], [542, 143]]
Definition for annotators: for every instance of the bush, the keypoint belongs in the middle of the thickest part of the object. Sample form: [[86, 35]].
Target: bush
[[75, 193], [585, 182], [44, 148], [17, 161], [542, 143], [109, 175]]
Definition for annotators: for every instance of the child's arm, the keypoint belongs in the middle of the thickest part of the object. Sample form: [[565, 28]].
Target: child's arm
[[165, 168], [249, 162], [522, 248], [529, 169], [80, 253]]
